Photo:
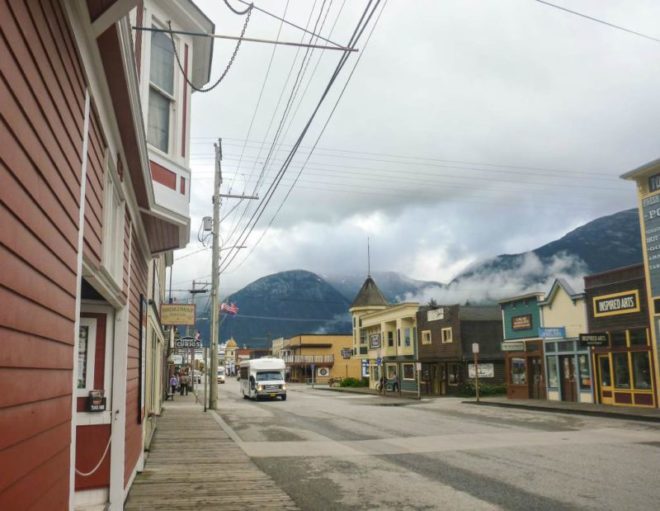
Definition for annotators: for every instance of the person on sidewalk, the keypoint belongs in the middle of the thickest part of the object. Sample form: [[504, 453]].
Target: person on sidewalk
[[184, 384], [174, 381]]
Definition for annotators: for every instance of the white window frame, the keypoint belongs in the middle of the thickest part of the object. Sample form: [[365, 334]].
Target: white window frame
[[173, 97], [426, 337], [447, 339], [403, 371], [114, 217], [91, 325]]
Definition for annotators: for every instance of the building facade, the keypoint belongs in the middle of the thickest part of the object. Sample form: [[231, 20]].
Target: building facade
[[319, 358], [569, 374], [446, 335], [523, 347], [83, 218], [392, 355], [624, 359], [647, 179]]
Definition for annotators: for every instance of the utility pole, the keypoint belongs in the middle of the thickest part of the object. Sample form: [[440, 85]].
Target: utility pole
[[215, 272]]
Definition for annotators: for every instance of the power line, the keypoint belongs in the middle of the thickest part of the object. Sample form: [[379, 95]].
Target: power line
[[612, 25], [367, 13]]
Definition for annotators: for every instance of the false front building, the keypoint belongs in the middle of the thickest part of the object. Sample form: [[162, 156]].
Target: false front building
[[446, 336]]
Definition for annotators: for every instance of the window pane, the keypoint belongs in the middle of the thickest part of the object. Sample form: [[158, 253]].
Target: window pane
[[641, 370], [553, 373], [161, 72], [550, 346], [408, 372], [518, 371], [638, 337], [618, 338], [158, 131], [406, 336], [605, 376], [621, 371], [583, 369], [565, 346], [390, 338], [454, 374], [83, 338]]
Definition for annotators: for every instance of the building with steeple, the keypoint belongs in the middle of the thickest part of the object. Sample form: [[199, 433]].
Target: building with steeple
[[369, 299]]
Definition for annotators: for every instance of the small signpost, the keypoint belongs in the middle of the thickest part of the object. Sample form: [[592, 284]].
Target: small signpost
[[475, 352], [188, 342]]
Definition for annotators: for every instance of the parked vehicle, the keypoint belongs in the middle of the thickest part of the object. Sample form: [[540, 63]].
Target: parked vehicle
[[263, 377], [221, 374]]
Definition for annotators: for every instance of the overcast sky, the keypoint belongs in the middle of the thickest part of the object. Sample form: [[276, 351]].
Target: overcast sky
[[469, 129]]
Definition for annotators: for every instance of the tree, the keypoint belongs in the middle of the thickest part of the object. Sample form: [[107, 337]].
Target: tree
[[433, 304]]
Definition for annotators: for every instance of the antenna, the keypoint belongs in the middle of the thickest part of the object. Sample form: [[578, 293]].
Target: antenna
[[368, 258]]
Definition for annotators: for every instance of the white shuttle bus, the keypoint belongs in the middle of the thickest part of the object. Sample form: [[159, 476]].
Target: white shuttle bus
[[263, 377]]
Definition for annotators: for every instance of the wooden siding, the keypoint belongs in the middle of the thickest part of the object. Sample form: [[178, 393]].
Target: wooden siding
[[437, 349], [139, 277], [41, 130]]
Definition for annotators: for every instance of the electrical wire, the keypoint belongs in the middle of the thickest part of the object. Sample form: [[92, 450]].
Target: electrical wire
[[245, 210], [359, 30], [602, 22]]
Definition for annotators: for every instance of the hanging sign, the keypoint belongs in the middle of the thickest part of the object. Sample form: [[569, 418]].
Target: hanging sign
[[177, 314], [548, 332], [594, 339], [374, 341]]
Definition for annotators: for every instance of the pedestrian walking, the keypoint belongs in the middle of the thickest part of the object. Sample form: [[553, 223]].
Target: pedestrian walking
[[185, 379], [174, 382]]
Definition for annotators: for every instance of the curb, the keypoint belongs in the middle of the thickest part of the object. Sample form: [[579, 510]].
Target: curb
[[572, 411]]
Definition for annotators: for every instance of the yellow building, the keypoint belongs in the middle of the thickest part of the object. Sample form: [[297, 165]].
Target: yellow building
[[230, 356], [647, 178], [392, 335], [369, 299], [320, 357]]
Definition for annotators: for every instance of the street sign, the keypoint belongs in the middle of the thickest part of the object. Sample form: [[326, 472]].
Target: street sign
[[379, 361], [187, 342], [346, 353], [475, 347]]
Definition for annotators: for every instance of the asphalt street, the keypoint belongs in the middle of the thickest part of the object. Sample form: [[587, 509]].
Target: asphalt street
[[336, 451]]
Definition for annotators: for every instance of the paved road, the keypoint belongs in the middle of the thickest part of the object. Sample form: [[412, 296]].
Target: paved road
[[349, 451]]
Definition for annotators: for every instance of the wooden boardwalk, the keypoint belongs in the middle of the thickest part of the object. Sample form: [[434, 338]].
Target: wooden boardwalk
[[194, 465]]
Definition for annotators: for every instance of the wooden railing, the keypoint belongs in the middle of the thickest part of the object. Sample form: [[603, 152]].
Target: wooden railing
[[309, 359]]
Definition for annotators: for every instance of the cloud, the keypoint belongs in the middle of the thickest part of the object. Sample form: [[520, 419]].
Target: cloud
[[529, 274]]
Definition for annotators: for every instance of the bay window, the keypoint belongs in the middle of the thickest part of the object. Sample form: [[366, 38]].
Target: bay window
[[161, 91]]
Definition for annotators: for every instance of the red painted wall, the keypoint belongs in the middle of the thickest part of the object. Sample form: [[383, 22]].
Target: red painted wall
[[139, 274], [41, 123]]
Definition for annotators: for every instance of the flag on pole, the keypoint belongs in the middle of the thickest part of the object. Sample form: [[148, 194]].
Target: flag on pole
[[229, 308]]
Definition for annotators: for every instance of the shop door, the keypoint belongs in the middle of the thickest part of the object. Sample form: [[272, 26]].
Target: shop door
[[568, 383], [536, 390], [605, 388]]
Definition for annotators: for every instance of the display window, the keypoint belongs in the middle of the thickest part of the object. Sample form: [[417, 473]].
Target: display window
[[408, 371], [518, 371], [553, 372], [641, 370], [453, 374], [584, 372], [621, 370]]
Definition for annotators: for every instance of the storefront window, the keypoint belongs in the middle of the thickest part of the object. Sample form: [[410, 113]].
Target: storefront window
[[605, 376], [583, 368], [618, 339], [565, 346], [553, 373], [638, 337], [518, 371], [550, 346], [621, 371], [641, 370], [454, 376], [408, 372]]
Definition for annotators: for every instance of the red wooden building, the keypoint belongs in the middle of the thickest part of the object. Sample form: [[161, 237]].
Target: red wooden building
[[95, 187]]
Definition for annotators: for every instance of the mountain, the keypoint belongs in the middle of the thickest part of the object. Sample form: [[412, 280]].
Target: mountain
[[282, 305], [608, 242]]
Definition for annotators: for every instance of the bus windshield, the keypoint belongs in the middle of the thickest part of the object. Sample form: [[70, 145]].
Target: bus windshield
[[269, 375]]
